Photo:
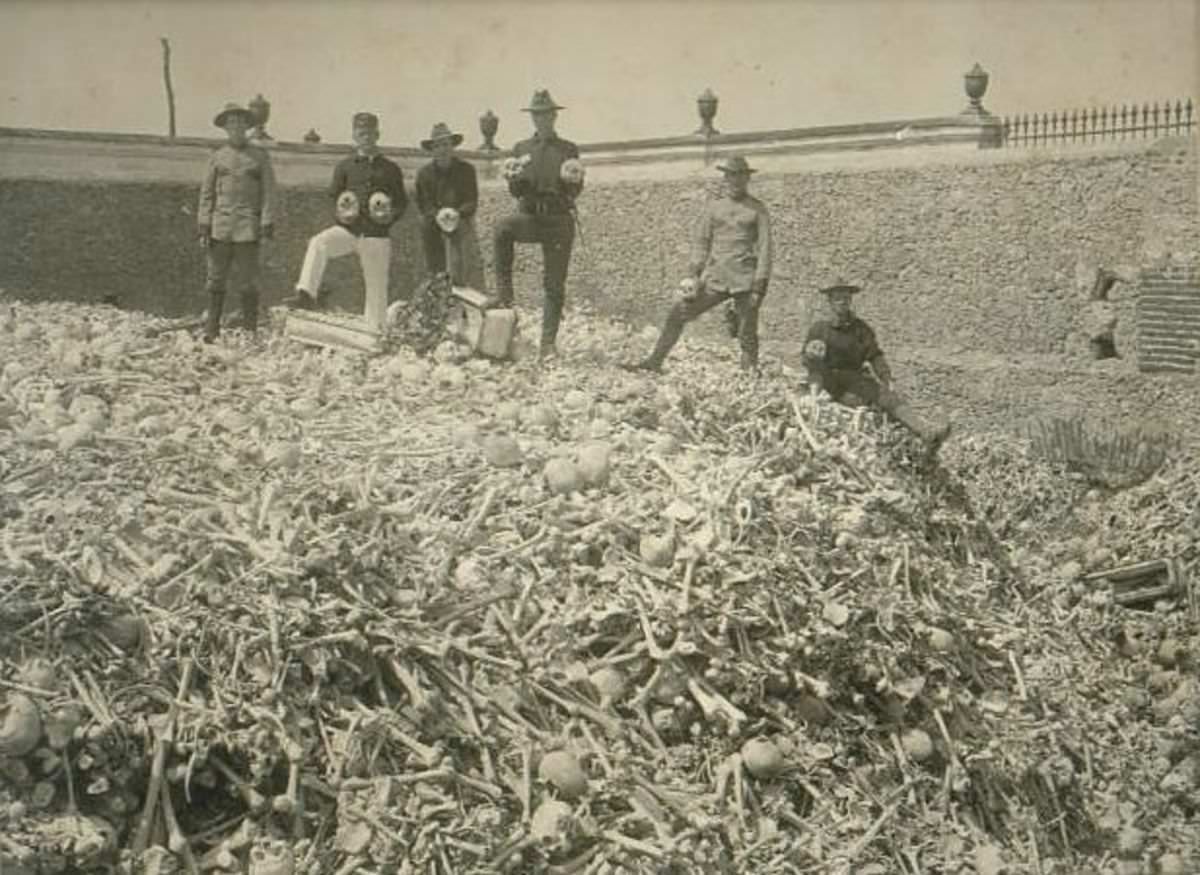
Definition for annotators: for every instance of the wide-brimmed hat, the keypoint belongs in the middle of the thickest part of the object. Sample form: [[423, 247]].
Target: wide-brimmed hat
[[842, 287], [233, 109], [735, 164], [541, 102], [366, 120], [441, 131]]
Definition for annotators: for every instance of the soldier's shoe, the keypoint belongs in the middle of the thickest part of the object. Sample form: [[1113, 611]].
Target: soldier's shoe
[[644, 365], [301, 300], [547, 351]]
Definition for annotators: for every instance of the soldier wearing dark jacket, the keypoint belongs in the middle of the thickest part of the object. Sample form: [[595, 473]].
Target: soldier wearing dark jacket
[[837, 352], [369, 197], [447, 198], [545, 176]]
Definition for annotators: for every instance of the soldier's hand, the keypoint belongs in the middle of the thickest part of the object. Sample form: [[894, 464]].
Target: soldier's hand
[[268, 232], [204, 235], [815, 350]]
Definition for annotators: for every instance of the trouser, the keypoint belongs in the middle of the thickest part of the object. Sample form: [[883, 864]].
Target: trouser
[[839, 383], [746, 307], [225, 257], [556, 233], [374, 255], [456, 254]]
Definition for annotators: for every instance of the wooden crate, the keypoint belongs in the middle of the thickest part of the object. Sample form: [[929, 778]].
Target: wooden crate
[[487, 332]]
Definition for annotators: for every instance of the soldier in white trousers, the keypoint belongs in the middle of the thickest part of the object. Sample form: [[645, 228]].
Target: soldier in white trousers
[[369, 197]]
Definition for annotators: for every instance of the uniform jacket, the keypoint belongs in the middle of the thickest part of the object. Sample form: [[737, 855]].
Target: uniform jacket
[[364, 175], [237, 196], [732, 248], [456, 186], [847, 348], [539, 188]]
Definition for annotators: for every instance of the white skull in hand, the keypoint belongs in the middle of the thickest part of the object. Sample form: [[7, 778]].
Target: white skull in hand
[[347, 206], [380, 207], [815, 350], [572, 171], [689, 288], [447, 219]]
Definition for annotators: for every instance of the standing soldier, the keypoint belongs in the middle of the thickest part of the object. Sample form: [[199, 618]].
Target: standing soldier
[[730, 263], [836, 351], [237, 208], [447, 197], [545, 176], [368, 193]]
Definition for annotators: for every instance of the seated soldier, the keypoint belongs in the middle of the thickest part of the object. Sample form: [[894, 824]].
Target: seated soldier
[[835, 353]]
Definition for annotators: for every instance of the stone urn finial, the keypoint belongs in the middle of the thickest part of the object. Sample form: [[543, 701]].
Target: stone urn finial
[[261, 108], [489, 123], [312, 137], [706, 105], [975, 82]]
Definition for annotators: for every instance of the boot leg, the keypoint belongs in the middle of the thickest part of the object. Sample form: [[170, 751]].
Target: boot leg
[[672, 330], [212, 324]]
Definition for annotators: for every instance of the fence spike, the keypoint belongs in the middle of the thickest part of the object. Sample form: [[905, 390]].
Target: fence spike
[[1045, 127], [1154, 115], [1124, 129], [1075, 124], [1094, 120], [1145, 120], [1178, 116], [1103, 122], [1188, 107]]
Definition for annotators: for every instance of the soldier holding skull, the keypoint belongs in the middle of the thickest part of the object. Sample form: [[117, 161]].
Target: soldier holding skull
[[368, 190], [545, 176], [447, 197]]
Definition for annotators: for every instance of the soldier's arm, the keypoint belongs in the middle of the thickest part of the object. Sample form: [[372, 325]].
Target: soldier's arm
[[873, 355], [572, 189], [519, 185], [766, 251], [208, 193], [426, 203], [399, 195], [338, 184], [267, 218], [701, 244]]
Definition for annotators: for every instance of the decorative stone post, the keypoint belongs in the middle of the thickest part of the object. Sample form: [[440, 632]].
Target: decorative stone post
[[261, 109], [975, 82], [312, 137], [489, 123], [706, 105]]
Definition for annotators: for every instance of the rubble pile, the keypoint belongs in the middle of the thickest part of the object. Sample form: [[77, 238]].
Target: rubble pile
[[270, 609]]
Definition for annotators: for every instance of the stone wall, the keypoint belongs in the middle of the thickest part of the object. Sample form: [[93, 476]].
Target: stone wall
[[978, 262]]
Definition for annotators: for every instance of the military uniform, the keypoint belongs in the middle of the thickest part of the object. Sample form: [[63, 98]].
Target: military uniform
[[237, 207], [362, 233], [836, 354], [546, 204], [731, 262]]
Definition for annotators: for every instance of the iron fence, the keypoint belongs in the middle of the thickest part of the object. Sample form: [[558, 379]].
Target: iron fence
[[1127, 122]]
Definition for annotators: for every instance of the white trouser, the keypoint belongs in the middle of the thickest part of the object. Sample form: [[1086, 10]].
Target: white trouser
[[374, 255]]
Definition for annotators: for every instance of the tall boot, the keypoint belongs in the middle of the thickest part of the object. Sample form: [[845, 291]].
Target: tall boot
[[212, 324], [250, 309], [933, 434]]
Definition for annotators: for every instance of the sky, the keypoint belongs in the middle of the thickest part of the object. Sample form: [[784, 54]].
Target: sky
[[624, 69]]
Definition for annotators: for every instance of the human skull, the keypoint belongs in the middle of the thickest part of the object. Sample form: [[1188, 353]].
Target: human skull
[[347, 206], [447, 219], [815, 349], [572, 171], [688, 288], [380, 207]]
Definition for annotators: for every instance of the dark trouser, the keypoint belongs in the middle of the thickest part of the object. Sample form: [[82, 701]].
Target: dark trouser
[[683, 312], [556, 233], [435, 247], [226, 258], [841, 383]]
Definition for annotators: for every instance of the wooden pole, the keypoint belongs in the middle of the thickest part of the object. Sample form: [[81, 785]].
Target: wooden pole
[[166, 47]]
